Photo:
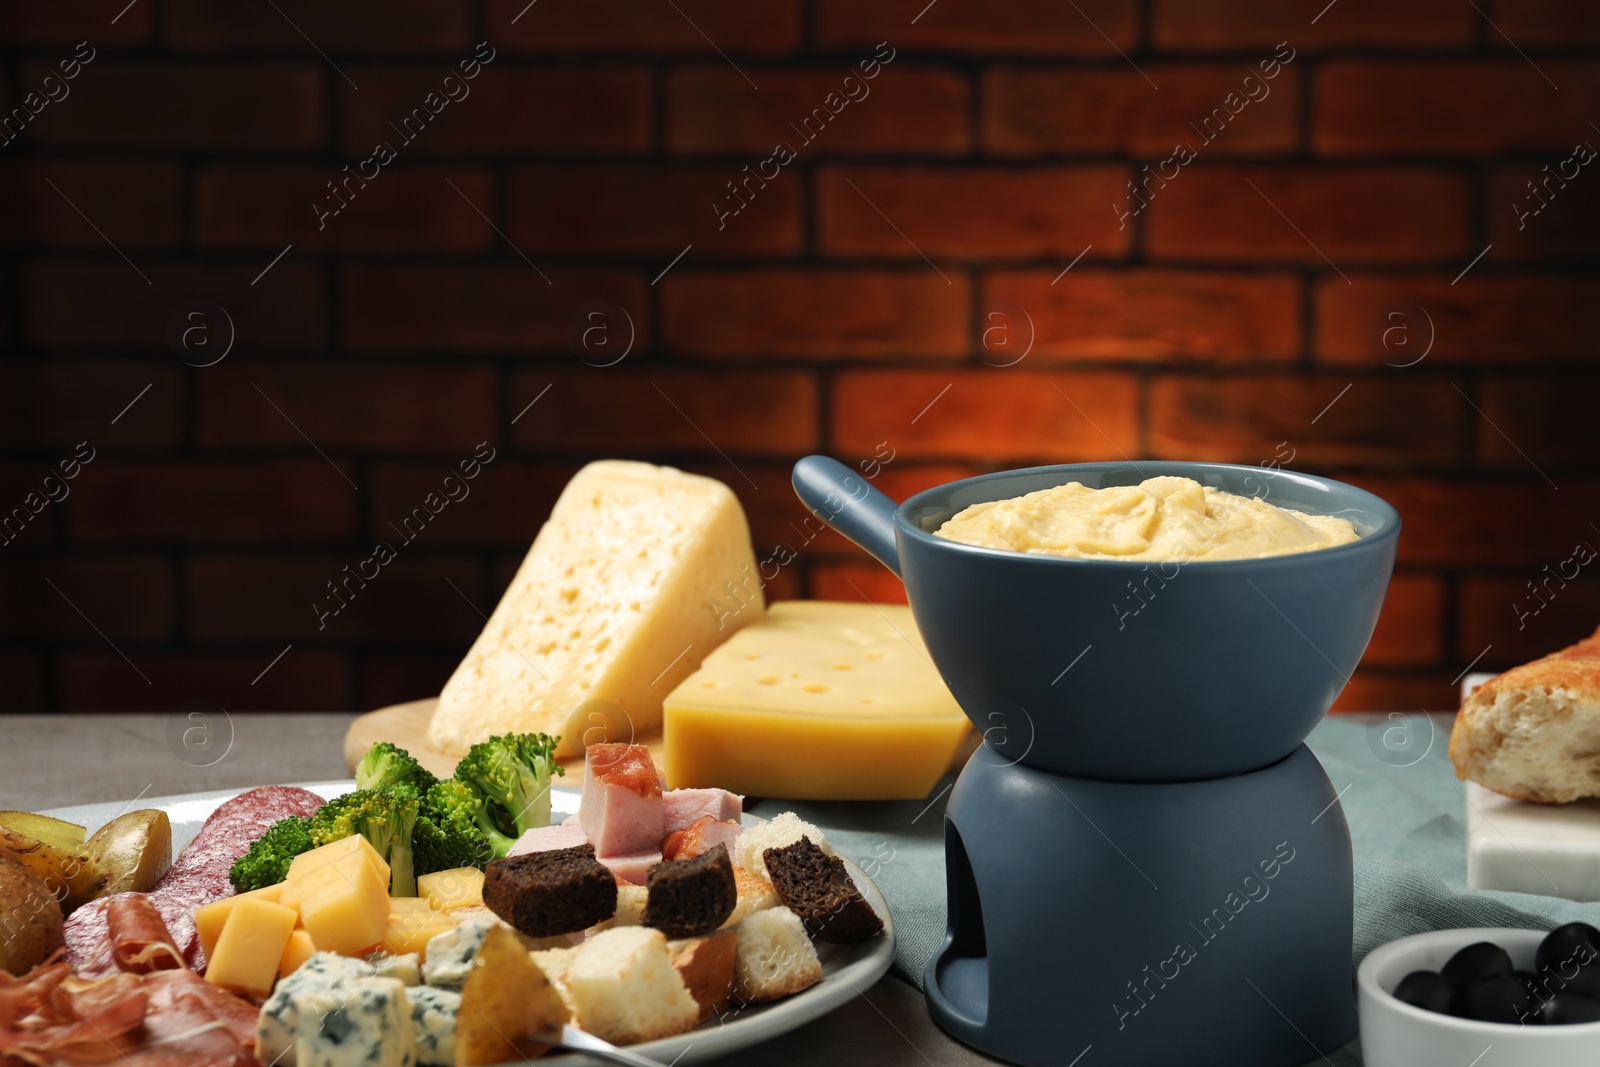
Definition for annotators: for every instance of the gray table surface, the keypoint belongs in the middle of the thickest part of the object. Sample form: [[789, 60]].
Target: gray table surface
[[50, 761]]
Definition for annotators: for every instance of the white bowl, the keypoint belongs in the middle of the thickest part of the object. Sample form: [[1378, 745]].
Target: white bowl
[[1395, 1034]]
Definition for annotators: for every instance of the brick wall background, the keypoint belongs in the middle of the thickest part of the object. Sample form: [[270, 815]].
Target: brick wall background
[[1312, 290]]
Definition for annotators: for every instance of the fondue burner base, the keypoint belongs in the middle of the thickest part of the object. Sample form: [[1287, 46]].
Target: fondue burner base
[[1143, 925]]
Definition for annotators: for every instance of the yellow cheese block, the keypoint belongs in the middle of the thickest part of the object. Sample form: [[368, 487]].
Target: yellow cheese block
[[299, 949], [209, 918], [638, 573], [459, 887], [345, 907], [334, 852], [411, 929], [818, 700], [251, 945], [405, 905]]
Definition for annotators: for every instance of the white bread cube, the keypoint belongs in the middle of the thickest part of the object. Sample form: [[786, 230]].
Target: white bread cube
[[755, 894], [630, 908], [774, 957], [749, 848], [624, 987]]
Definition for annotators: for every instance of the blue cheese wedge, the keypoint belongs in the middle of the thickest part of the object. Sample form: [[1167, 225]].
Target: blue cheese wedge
[[280, 1015], [407, 967], [449, 956], [433, 1024], [364, 1023]]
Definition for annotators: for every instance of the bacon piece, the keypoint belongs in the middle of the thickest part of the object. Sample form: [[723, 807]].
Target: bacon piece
[[140, 941], [198, 876], [702, 835]]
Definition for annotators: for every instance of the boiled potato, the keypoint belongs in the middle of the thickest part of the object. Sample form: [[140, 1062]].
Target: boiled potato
[[504, 1001], [30, 918], [53, 850], [134, 850]]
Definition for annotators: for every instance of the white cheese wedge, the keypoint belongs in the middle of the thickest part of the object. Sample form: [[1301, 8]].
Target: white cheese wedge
[[818, 700], [638, 574]]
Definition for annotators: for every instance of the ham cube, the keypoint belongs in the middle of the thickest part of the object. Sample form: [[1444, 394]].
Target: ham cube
[[702, 835], [634, 867], [548, 839], [681, 807], [621, 809]]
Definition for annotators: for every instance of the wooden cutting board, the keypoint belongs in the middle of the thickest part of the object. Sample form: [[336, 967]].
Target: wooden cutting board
[[406, 725]]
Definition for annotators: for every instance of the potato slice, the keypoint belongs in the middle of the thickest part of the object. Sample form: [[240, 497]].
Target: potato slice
[[58, 857], [67, 836], [505, 999], [30, 918], [134, 850]]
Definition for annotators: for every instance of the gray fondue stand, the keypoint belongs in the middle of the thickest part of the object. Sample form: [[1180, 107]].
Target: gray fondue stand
[[1143, 859]]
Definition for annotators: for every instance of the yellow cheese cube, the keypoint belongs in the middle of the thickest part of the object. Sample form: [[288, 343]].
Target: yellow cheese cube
[[818, 700], [345, 909], [401, 905], [333, 852], [460, 887], [209, 918], [251, 945], [412, 929], [299, 949]]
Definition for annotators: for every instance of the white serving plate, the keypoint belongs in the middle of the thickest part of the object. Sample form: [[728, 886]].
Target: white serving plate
[[847, 970]]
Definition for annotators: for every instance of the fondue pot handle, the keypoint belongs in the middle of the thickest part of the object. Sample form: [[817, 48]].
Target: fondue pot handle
[[846, 501]]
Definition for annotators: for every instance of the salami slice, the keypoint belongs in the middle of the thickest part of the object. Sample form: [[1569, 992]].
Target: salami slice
[[198, 876]]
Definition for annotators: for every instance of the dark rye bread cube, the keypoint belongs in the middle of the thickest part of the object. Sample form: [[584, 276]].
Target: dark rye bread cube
[[816, 887], [544, 894], [687, 898]]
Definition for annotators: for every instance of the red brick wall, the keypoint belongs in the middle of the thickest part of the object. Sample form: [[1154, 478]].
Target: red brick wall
[[897, 286]]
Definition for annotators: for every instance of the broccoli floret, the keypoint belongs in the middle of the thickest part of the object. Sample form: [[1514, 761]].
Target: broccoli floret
[[512, 774], [435, 848], [267, 862], [459, 817], [389, 764], [386, 817]]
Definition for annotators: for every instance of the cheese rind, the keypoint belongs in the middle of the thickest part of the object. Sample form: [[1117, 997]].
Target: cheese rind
[[638, 573], [818, 700]]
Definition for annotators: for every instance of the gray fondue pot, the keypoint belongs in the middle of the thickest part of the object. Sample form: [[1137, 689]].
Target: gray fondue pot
[[1124, 671]]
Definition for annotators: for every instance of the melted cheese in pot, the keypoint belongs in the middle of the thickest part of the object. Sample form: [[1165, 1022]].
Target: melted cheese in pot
[[1158, 520]]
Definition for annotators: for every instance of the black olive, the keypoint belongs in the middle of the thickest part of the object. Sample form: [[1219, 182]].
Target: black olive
[[1500, 998], [1566, 947], [1475, 963], [1429, 991], [1566, 1008]]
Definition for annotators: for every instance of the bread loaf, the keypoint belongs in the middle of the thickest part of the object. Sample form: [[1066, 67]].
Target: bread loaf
[[1533, 733]]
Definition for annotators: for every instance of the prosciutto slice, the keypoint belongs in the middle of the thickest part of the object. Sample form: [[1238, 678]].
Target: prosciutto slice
[[198, 876], [47, 1019], [140, 941]]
